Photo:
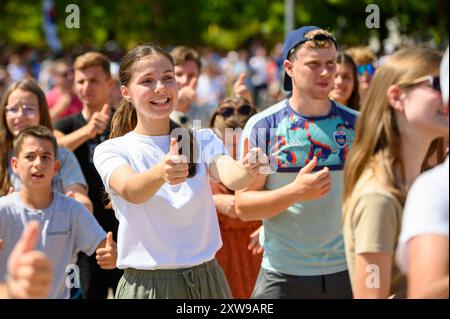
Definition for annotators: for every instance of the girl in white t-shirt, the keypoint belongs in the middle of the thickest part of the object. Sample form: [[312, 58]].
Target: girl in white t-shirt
[[157, 176]]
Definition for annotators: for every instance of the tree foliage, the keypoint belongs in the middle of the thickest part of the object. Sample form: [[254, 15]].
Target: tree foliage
[[221, 24]]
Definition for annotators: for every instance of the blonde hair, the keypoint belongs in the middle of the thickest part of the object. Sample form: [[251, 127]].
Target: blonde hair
[[314, 44], [318, 44], [361, 55], [92, 59], [378, 138]]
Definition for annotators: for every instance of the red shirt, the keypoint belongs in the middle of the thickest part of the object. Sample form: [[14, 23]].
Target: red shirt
[[75, 104]]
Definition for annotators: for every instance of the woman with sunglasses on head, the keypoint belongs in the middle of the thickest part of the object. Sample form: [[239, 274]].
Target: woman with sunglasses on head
[[401, 125], [24, 105], [241, 267], [346, 86], [365, 62]]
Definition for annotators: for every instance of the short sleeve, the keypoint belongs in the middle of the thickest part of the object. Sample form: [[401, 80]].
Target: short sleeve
[[65, 124], [87, 231], [70, 171], [376, 224], [258, 133], [426, 210], [108, 156], [210, 146]]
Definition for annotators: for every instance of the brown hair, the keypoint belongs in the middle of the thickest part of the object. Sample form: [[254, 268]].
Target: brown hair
[[354, 99], [40, 132], [6, 136], [378, 144], [361, 55], [125, 116], [181, 54], [92, 59]]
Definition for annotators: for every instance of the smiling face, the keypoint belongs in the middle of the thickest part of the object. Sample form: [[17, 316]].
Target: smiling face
[[343, 84], [312, 71], [35, 163], [22, 111], [152, 88]]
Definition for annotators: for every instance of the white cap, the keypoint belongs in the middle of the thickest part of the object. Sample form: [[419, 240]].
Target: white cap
[[444, 77]]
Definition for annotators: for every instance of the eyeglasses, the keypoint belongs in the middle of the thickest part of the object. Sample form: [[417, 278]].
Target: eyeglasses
[[227, 111], [369, 68], [27, 110], [433, 81]]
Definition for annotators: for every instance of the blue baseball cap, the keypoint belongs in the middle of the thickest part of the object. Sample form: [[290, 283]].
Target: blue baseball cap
[[293, 39]]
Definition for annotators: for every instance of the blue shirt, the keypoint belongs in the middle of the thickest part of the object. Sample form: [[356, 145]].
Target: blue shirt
[[306, 239], [67, 228]]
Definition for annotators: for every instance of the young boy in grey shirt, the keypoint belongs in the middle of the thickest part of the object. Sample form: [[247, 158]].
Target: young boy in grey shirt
[[66, 226]]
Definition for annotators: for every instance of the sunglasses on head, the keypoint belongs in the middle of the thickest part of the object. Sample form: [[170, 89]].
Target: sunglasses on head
[[317, 38], [227, 111], [433, 81], [369, 68]]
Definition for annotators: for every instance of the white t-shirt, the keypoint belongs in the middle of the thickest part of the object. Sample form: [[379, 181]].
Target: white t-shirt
[[178, 226], [426, 210]]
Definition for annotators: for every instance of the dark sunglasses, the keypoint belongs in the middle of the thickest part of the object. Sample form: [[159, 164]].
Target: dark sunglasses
[[227, 111], [433, 81], [369, 68]]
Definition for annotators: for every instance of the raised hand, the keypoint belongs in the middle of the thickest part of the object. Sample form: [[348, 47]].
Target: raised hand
[[311, 185], [240, 89], [29, 271], [187, 96], [98, 122], [255, 161], [175, 167], [107, 256]]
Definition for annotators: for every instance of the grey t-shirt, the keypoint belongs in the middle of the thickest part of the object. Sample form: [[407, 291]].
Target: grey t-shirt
[[67, 228], [69, 172]]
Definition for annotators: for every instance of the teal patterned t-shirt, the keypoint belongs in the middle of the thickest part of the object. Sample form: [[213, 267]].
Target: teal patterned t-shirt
[[306, 239]]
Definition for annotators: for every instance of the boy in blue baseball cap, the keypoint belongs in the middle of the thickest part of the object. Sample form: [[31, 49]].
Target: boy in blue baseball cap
[[307, 138]]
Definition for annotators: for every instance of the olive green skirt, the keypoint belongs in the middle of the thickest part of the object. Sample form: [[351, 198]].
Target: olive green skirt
[[205, 281]]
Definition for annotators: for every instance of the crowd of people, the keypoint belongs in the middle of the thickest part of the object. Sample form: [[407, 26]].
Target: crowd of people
[[174, 174]]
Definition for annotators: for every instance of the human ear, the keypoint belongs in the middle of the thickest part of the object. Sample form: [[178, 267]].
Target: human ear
[[14, 165], [395, 97], [288, 65], [56, 168], [125, 93]]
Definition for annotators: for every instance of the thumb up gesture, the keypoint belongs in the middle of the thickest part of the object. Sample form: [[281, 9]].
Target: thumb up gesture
[[107, 253], [255, 161], [29, 271], [175, 167], [240, 89]]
